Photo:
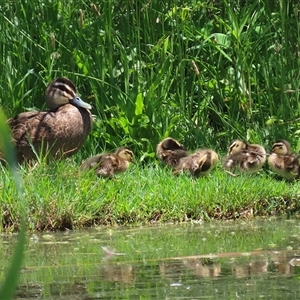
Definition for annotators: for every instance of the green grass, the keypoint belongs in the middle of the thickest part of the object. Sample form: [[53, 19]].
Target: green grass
[[204, 72], [58, 197]]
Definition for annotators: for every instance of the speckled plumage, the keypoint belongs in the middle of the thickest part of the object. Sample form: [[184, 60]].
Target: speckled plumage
[[109, 164], [199, 164], [245, 157], [170, 151], [283, 161], [57, 133]]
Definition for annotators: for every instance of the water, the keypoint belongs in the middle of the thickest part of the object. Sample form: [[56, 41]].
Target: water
[[221, 260]]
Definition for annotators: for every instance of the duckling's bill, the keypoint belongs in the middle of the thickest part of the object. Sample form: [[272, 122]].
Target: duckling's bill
[[133, 161]]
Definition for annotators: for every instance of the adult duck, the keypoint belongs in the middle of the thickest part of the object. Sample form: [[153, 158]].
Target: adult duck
[[56, 133]]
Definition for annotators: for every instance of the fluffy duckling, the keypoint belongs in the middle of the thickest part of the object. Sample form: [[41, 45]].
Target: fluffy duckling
[[199, 163], [170, 151], [246, 157], [109, 164], [58, 132], [283, 162]]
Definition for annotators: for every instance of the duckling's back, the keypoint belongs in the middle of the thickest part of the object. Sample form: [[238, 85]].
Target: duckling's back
[[170, 151], [199, 163]]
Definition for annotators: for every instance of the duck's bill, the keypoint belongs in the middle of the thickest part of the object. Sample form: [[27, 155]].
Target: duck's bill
[[79, 103]]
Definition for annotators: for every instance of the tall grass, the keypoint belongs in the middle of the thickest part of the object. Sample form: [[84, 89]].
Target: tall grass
[[204, 72]]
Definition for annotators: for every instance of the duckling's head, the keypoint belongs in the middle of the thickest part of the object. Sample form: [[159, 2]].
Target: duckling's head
[[62, 91], [171, 144], [237, 146], [281, 147], [125, 154]]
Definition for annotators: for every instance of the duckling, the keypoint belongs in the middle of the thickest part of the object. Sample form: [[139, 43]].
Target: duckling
[[109, 164], [246, 157], [58, 132], [199, 163], [283, 162], [170, 151]]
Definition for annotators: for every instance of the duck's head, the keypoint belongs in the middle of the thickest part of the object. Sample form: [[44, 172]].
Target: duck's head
[[237, 146], [125, 154], [281, 147], [62, 91]]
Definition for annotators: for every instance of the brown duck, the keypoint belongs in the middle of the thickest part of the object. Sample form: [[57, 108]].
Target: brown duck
[[283, 161], [57, 133], [170, 151], [245, 157], [198, 164], [109, 164]]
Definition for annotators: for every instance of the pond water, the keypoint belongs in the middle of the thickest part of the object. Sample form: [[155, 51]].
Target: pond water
[[257, 259]]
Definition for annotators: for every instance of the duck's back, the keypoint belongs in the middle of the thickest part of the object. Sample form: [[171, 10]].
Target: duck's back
[[59, 133]]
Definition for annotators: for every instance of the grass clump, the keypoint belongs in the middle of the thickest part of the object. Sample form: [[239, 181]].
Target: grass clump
[[59, 197]]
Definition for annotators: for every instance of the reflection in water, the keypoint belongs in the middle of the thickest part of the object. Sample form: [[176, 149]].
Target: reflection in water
[[122, 273], [203, 267], [280, 263], [251, 268], [163, 263]]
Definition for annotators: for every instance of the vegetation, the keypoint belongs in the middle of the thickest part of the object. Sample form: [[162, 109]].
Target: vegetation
[[58, 197], [9, 284], [203, 72]]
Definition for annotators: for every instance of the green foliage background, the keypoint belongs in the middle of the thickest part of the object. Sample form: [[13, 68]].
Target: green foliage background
[[205, 72]]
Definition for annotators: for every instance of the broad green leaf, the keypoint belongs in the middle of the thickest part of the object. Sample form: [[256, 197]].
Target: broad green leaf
[[9, 286], [139, 104]]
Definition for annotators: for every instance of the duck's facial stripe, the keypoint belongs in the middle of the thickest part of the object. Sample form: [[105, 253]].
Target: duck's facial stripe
[[236, 145], [129, 153], [231, 147], [65, 89], [67, 82], [279, 146]]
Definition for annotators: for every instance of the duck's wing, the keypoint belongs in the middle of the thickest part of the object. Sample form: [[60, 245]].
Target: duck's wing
[[27, 125], [172, 157], [235, 160], [107, 165], [292, 163]]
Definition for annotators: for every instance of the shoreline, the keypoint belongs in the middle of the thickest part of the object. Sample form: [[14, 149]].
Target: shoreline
[[57, 197]]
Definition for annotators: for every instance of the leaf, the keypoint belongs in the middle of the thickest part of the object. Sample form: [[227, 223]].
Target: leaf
[[8, 288], [139, 104], [273, 120], [222, 39], [166, 45]]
